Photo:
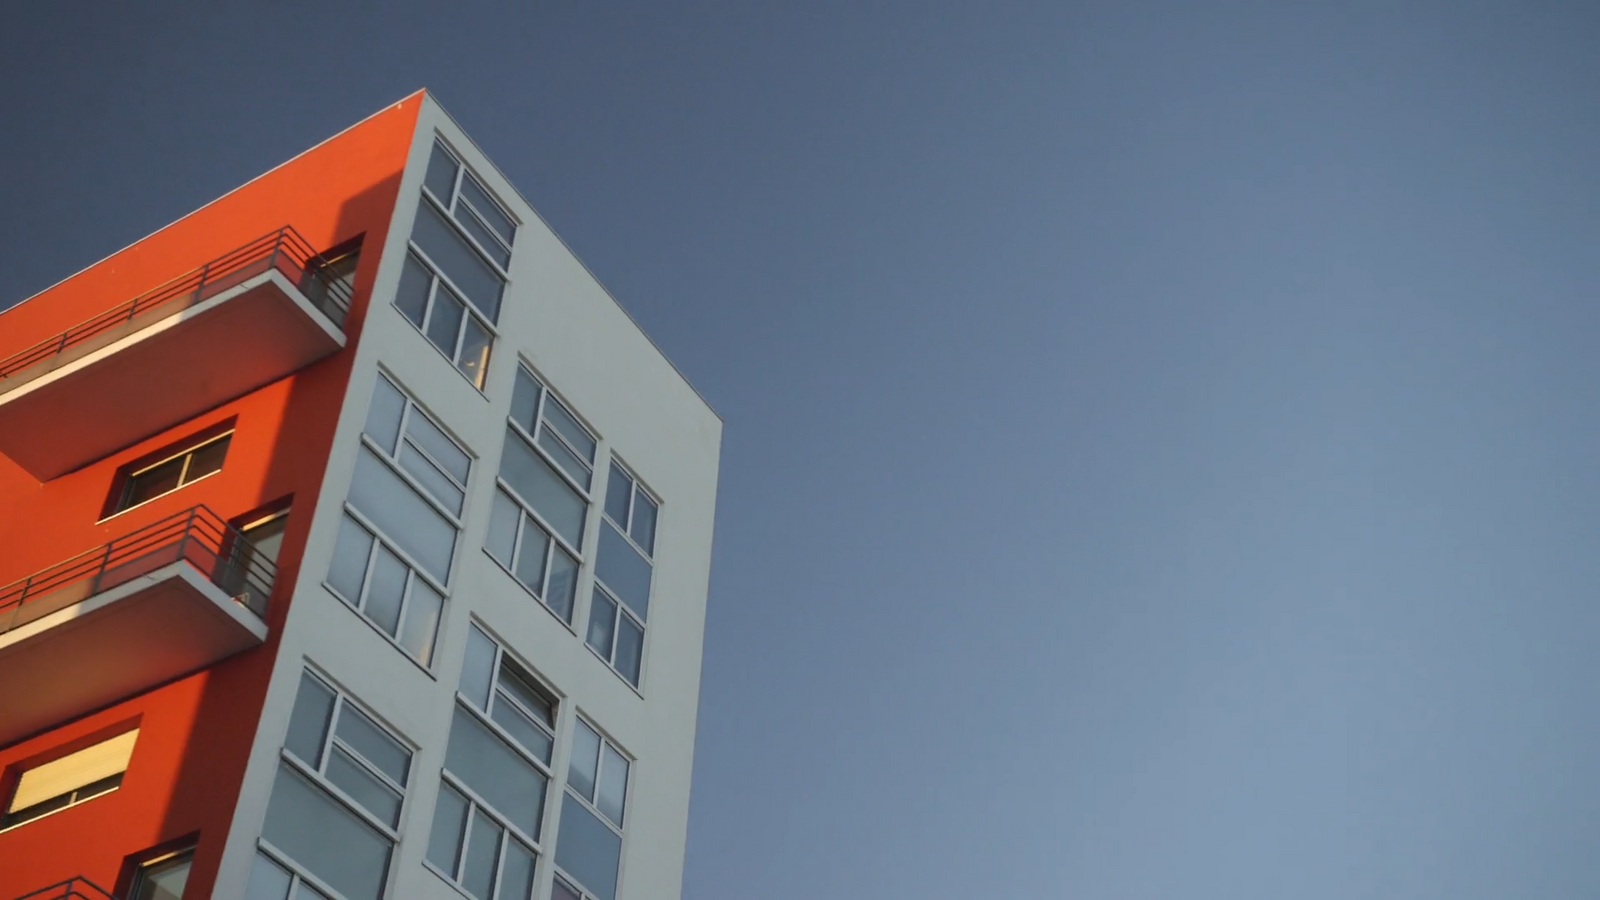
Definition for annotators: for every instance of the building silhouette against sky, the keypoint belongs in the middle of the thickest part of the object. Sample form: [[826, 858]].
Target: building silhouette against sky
[[354, 543]]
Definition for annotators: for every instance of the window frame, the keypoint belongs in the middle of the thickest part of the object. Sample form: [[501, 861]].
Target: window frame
[[477, 805], [393, 834], [125, 479], [592, 807], [528, 511], [636, 487], [13, 777], [448, 207], [438, 279]]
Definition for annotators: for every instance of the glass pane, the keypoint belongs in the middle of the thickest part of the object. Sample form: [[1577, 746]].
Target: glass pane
[[308, 722], [163, 880], [441, 177], [207, 459], [304, 891], [503, 518], [481, 233], [268, 880], [473, 361], [630, 649], [563, 891], [387, 591], [266, 539], [520, 687], [449, 823], [396, 508], [624, 571], [643, 530], [582, 771], [422, 621], [537, 483], [490, 767], [563, 421], [613, 784], [525, 400], [386, 754], [383, 416], [444, 451], [350, 553], [363, 787], [444, 325], [564, 457], [152, 483], [492, 215], [432, 479], [412, 298], [588, 850], [602, 624], [516, 873], [618, 491], [521, 728], [563, 584], [477, 672], [330, 841], [483, 855], [530, 559], [458, 261]]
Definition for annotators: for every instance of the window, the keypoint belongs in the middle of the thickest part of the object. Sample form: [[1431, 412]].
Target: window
[[455, 272], [69, 780], [589, 846], [393, 555], [162, 878], [536, 525], [256, 555], [496, 774], [623, 571], [336, 803], [330, 278], [178, 470]]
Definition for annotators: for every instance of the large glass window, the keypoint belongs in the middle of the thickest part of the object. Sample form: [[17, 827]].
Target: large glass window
[[623, 571], [496, 774], [455, 272], [536, 526], [589, 846], [336, 802], [393, 555]]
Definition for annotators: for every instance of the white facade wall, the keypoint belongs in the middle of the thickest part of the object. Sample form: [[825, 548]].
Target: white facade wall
[[557, 319]]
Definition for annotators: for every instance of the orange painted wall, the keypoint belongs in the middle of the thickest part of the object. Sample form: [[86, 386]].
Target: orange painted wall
[[196, 732]]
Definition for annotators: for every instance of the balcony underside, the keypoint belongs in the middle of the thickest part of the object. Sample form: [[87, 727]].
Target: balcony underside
[[148, 375], [77, 653]]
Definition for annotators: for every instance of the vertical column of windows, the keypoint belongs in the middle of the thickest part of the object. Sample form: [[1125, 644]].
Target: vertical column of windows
[[542, 504], [623, 572], [589, 846], [332, 820], [486, 825], [457, 265], [397, 540]]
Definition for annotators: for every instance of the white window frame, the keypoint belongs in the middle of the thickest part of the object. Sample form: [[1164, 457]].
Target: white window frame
[[359, 604], [125, 483], [393, 834], [454, 355], [527, 508], [448, 207], [476, 805], [627, 801], [636, 487]]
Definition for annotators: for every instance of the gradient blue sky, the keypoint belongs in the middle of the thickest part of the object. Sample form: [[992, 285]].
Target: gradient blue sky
[[1161, 445]]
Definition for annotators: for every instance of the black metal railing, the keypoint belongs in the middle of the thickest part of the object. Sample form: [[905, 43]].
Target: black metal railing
[[195, 536], [284, 250], [79, 888]]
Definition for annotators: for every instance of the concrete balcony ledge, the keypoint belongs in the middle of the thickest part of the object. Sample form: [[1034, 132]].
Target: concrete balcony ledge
[[258, 314], [164, 601]]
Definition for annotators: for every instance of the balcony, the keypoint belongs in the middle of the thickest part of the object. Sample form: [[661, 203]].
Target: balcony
[[243, 320], [168, 599], [79, 888]]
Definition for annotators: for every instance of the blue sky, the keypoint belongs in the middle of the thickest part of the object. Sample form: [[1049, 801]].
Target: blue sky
[[1160, 451]]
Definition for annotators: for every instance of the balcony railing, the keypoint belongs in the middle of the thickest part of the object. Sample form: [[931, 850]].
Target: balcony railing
[[196, 536], [79, 888], [284, 250]]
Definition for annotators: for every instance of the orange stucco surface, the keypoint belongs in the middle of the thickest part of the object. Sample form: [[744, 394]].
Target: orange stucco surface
[[195, 732]]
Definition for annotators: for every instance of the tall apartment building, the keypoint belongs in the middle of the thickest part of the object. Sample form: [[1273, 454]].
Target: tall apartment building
[[354, 543]]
